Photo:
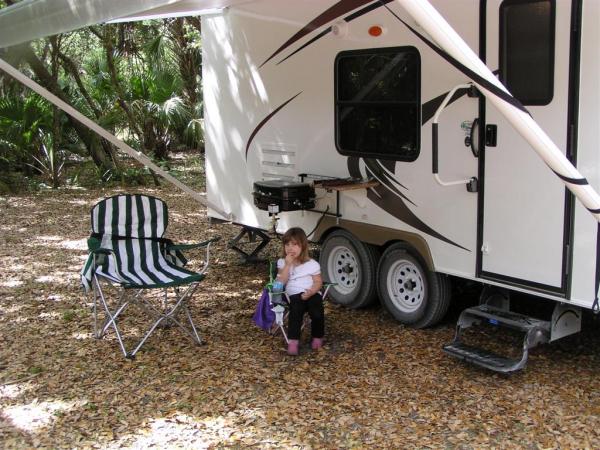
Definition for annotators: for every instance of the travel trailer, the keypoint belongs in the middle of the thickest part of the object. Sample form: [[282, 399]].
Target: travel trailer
[[376, 127]]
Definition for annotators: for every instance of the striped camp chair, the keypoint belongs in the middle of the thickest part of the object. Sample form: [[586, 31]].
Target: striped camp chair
[[127, 249]]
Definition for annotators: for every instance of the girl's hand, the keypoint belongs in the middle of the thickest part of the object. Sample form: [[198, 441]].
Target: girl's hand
[[289, 259], [306, 295]]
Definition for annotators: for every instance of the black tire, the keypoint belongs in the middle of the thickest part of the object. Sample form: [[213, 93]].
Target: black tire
[[352, 265], [412, 294]]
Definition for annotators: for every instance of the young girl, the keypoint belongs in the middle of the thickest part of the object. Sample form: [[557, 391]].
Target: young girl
[[302, 278]]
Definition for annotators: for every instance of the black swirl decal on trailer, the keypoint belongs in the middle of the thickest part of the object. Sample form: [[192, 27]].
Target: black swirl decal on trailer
[[265, 120], [386, 196]]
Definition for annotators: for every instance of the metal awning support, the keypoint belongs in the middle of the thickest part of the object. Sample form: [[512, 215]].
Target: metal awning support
[[141, 157], [445, 37]]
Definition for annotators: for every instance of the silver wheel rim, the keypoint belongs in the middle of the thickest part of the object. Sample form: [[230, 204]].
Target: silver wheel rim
[[343, 268], [406, 286]]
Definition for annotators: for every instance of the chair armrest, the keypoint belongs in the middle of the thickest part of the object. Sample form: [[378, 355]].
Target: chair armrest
[[101, 251], [95, 247], [182, 247]]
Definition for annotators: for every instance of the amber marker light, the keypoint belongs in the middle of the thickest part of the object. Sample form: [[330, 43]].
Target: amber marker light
[[375, 31]]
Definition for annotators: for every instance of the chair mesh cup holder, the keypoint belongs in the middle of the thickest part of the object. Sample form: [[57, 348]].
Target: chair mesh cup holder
[[127, 250]]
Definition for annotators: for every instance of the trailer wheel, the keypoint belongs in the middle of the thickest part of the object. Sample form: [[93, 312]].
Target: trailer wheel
[[351, 264], [412, 294]]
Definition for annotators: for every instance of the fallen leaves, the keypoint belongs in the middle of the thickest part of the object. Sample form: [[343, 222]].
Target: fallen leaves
[[376, 384]]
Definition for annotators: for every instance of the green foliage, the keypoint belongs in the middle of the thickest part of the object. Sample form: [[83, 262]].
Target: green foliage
[[139, 81], [50, 161]]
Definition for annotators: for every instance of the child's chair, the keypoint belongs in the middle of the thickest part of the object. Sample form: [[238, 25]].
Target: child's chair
[[280, 304]]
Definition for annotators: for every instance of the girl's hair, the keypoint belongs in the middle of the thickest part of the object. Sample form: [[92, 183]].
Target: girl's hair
[[298, 236]]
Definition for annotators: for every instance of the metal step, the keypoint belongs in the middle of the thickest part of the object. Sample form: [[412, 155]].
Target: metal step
[[536, 332], [500, 317], [484, 358]]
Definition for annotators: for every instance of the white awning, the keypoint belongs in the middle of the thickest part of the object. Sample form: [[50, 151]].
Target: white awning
[[33, 19]]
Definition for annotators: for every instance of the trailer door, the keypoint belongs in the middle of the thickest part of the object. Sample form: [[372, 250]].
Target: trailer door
[[525, 205]]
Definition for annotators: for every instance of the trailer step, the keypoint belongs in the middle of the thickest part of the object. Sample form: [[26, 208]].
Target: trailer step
[[483, 358], [536, 332], [500, 317]]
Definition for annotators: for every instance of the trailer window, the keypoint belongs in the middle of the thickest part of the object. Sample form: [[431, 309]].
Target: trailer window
[[527, 49], [377, 103]]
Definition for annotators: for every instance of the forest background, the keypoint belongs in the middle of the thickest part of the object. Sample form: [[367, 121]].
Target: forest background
[[141, 81]]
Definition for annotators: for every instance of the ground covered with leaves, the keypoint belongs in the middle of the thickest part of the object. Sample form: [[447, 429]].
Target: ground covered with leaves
[[375, 384]]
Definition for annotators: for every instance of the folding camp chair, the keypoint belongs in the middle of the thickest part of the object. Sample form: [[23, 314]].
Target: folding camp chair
[[127, 250], [280, 305]]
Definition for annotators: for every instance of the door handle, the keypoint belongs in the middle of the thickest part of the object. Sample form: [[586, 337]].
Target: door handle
[[474, 138]]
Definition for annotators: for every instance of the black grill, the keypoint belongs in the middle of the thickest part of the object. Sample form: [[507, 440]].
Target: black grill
[[285, 195]]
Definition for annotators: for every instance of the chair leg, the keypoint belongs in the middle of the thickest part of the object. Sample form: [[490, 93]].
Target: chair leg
[[169, 314], [163, 313], [189, 316], [111, 318]]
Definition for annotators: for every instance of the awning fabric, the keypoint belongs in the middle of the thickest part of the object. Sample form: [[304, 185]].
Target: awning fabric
[[33, 19]]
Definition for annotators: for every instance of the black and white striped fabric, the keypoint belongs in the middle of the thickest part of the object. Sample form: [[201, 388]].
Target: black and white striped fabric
[[130, 229]]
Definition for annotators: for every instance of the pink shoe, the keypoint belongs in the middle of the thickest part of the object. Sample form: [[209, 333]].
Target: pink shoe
[[293, 347], [316, 343]]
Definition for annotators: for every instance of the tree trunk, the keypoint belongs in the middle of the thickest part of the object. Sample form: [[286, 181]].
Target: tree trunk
[[187, 60]]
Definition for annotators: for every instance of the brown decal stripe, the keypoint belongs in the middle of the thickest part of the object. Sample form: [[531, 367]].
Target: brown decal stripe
[[337, 10], [350, 18], [265, 120], [316, 38]]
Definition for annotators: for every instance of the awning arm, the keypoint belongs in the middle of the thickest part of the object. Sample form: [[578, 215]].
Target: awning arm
[[445, 37], [141, 157]]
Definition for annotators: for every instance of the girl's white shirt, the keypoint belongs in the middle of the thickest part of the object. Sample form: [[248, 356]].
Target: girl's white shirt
[[300, 278]]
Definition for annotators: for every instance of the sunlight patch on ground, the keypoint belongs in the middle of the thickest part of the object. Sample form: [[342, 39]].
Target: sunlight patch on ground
[[49, 279], [11, 283], [61, 242], [21, 202], [79, 244], [20, 320], [81, 336], [35, 415], [78, 202], [48, 238], [13, 390], [187, 431], [60, 278], [12, 308], [52, 315]]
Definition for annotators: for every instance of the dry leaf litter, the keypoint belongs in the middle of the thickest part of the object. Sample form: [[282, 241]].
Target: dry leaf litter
[[376, 384]]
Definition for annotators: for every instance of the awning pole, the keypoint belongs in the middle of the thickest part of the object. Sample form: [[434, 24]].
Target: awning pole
[[141, 157], [449, 40]]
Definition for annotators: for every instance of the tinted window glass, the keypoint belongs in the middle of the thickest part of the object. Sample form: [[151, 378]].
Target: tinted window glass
[[527, 50], [378, 111]]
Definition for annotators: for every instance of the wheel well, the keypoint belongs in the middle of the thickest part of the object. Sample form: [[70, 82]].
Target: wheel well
[[376, 235], [327, 232], [422, 253]]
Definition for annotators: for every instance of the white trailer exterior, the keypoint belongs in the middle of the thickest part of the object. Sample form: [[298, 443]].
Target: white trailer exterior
[[270, 98]]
